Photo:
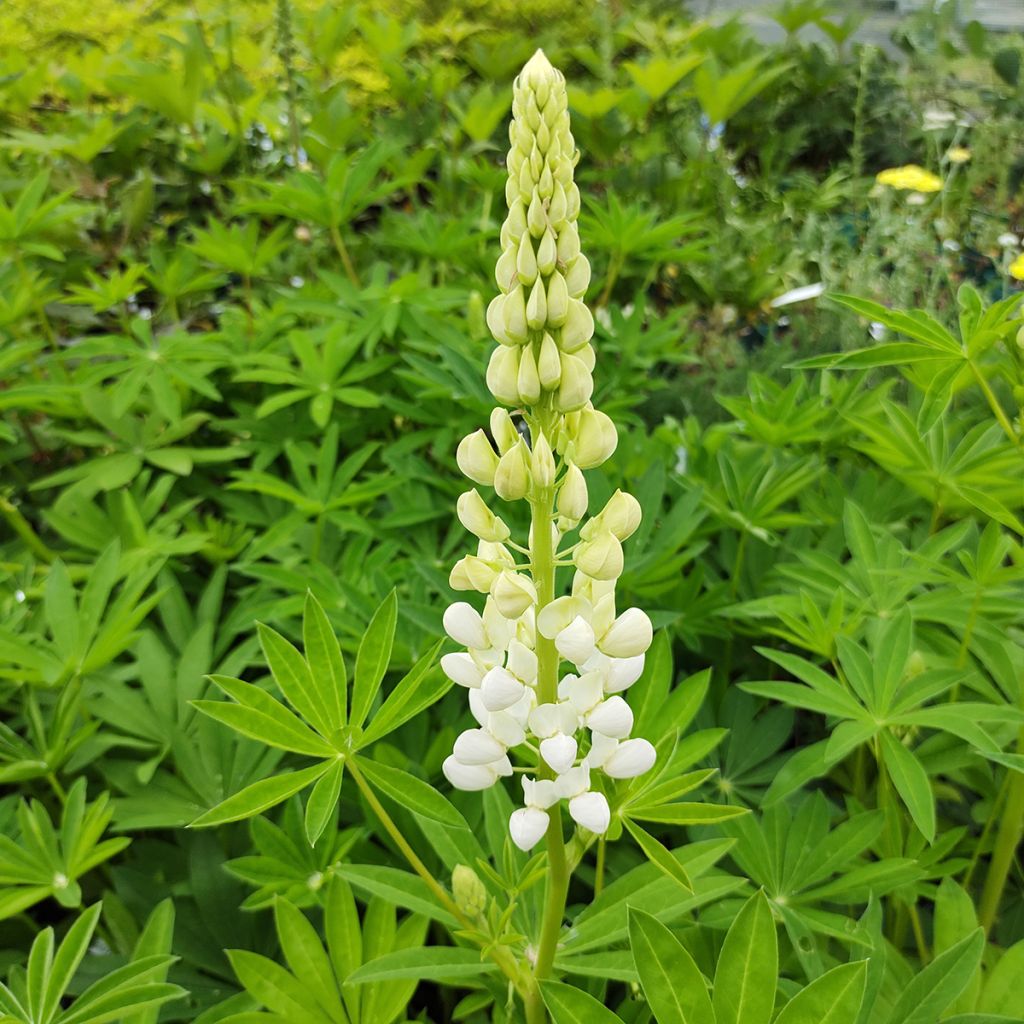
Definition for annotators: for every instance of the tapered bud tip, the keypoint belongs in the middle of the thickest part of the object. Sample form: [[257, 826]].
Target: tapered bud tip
[[468, 891], [537, 69]]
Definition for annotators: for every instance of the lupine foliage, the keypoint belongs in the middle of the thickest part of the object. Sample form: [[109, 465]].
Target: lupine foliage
[[759, 372]]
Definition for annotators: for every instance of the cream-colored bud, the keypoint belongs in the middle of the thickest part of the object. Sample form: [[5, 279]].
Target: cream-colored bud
[[572, 201], [546, 184], [572, 495], [513, 593], [549, 364], [476, 517], [576, 385], [578, 328], [577, 277], [587, 356], [558, 300], [503, 430], [505, 269], [547, 253], [536, 218], [515, 224], [513, 315], [496, 320], [600, 558], [558, 207], [512, 478], [542, 464], [477, 459], [472, 573], [503, 374], [621, 515], [528, 379], [537, 306], [568, 244], [595, 439], [526, 261]]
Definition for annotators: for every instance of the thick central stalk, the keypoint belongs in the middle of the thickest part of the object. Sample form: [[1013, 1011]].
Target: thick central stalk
[[543, 571]]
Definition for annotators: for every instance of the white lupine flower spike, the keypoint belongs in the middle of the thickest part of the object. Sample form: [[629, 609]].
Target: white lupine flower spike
[[544, 672]]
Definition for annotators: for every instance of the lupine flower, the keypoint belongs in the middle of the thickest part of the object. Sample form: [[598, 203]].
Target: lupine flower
[[544, 673]]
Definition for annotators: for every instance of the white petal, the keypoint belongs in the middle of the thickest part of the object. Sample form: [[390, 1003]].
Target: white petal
[[506, 728], [527, 827], [559, 751], [476, 707], [575, 643], [522, 662], [623, 673], [612, 717], [462, 669], [585, 691], [601, 748], [502, 767], [631, 758], [556, 615], [463, 624], [631, 634], [500, 689], [470, 777], [591, 811], [477, 746], [544, 720], [542, 793], [573, 782]]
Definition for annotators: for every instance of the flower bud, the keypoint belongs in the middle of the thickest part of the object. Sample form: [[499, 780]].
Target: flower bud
[[462, 669], [547, 253], [499, 689], [591, 811], [536, 218], [476, 517], [612, 717], [595, 439], [503, 373], [558, 208], [558, 752], [472, 573], [496, 320], [528, 380], [503, 430], [572, 495], [468, 891], [512, 477], [477, 746], [575, 643], [542, 464], [504, 275], [576, 385], [558, 300], [578, 328], [476, 458], [622, 515], [464, 625], [537, 306], [568, 244], [630, 635], [513, 593], [600, 558], [513, 315], [526, 262], [577, 277], [630, 759], [527, 826], [549, 364], [522, 662]]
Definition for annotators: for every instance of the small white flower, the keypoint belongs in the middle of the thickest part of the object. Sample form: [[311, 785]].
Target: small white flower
[[462, 622], [622, 673], [612, 717], [1008, 240], [477, 746], [522, 662], [527, 826], [629, 759], [500, 689], [559, 752], [630, 634], [591, 810], [575, 643], [582, 692], [462, 669], [573, 782], [473, 777], [542, 793], [513, 593], [548, 719], [601, 748]]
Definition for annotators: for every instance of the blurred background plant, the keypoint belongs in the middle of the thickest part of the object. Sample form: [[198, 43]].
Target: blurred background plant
[[244, 257]]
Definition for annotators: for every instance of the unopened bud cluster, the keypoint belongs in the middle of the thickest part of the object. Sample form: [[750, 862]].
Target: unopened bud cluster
[[543, 363]]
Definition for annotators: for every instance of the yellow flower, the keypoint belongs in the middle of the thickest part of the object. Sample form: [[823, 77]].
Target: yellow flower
[[911, 177], [958, 154], [1016, 268]]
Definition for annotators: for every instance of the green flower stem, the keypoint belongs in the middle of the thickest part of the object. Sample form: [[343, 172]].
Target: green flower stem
[[542, 506], [1011, 831], [994, 404], [21, 526], [501, 956], [343, 254]]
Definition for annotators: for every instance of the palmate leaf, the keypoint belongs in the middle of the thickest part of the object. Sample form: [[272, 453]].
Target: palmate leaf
[[568, 1005], [433, 962], [834, 998], [658, 855], [745, 979]]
